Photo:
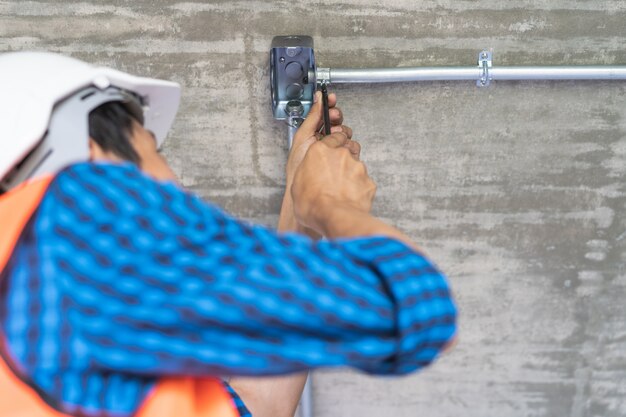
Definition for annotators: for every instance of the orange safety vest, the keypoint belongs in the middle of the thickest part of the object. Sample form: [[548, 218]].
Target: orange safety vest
[[171, 397]]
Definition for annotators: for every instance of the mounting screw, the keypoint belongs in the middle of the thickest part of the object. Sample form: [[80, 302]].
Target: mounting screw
[[282, 59]]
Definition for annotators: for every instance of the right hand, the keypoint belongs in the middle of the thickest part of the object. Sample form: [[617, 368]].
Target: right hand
[[330, 177]]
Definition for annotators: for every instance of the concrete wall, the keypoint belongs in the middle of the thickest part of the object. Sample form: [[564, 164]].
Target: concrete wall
[[517, 191]]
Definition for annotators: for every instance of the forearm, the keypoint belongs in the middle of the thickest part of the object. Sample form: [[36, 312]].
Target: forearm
[[275, 396]]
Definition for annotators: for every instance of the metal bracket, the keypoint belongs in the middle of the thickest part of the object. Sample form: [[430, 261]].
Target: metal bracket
[[485, 63]]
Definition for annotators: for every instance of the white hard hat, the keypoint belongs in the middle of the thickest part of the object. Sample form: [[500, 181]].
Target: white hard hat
[[45, 101]]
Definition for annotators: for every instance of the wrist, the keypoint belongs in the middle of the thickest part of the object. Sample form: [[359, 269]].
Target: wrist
[[344, 220], [287, 221], [335, 219]]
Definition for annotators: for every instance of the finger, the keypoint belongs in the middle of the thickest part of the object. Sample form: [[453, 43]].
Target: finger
[[354, 148], [313, 121], [336, 116], [332, 100], [342, 128], [335, 140]]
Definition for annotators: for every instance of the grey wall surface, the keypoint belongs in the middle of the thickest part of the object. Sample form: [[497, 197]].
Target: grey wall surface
[[517, 191]]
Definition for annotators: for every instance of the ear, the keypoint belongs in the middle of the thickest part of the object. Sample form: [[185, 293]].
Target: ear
[[94, 150]]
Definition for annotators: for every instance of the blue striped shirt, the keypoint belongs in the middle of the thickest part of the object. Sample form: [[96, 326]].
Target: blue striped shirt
[[119, 279]]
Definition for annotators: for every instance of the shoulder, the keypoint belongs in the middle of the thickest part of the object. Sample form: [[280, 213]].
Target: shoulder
[[97, 201], [110, 180], [110, 189]]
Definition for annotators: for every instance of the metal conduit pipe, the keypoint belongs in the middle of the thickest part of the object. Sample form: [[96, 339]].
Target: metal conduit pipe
[[390, 75], [559, 73], [294, 120], [306, 401]]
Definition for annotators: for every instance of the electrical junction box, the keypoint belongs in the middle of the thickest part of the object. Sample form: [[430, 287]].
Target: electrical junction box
[[292, 74]]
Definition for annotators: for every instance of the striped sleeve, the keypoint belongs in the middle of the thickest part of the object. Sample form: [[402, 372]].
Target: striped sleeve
[[158, 282]]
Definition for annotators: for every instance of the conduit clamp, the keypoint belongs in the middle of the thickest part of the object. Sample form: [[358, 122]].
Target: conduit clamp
[[323, 75], [485, 63]]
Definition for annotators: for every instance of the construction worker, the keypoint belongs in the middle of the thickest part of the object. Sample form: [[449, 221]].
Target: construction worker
[[121, 294]]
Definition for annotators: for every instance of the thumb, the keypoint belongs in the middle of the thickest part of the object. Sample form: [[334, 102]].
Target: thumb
[[313, 121]]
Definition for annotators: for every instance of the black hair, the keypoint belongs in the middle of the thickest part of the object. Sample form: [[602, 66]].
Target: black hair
[[111, 127]]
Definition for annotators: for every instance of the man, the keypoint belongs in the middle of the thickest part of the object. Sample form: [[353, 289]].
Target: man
[[121, 294]]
